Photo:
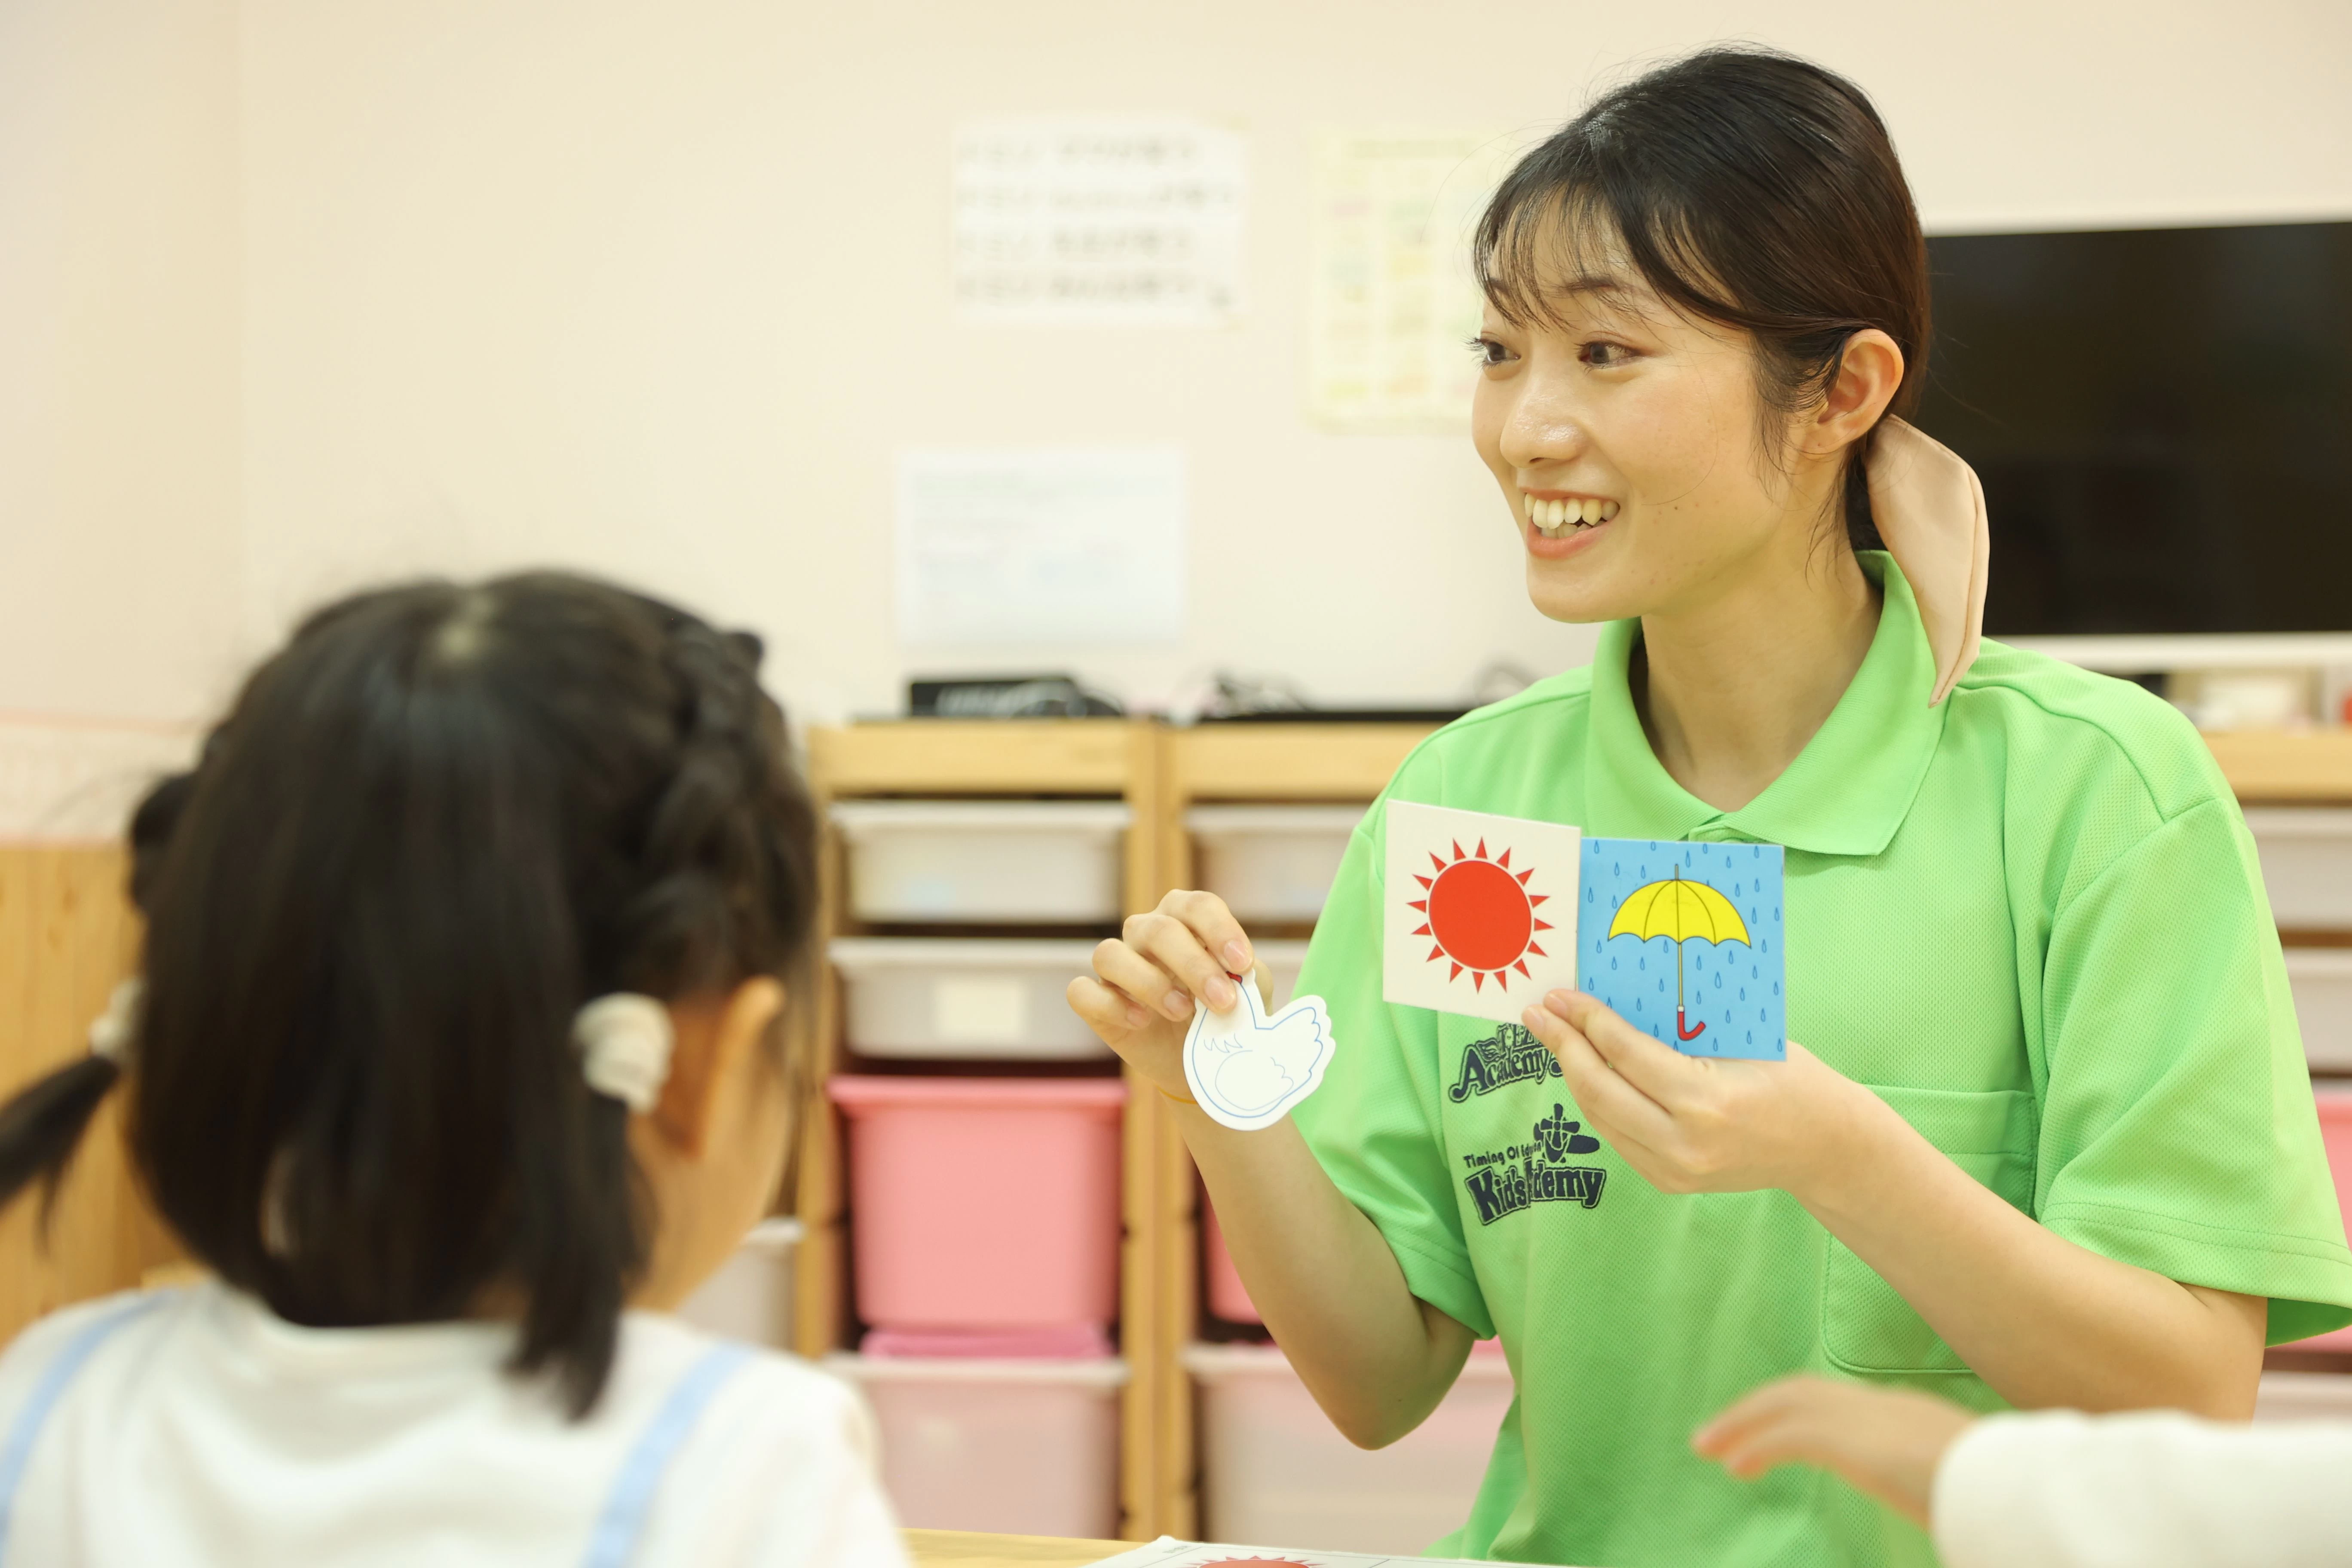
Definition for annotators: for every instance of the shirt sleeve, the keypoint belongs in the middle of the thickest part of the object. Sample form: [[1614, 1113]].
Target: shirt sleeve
[[1374, 1123], [2179, 1131], [2157, 1491]]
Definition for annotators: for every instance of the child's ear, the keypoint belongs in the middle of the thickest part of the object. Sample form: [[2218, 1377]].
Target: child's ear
[[719, 1041]]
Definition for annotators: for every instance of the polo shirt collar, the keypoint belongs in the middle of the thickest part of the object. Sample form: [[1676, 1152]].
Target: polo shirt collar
[[1847, 791]]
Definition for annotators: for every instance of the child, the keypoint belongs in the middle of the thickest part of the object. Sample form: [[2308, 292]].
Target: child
[[457, 1059], [2058, 1489]]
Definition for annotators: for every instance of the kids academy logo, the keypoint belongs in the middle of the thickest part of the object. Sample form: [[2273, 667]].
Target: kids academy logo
[[1508, 1056], [1509, 1180]]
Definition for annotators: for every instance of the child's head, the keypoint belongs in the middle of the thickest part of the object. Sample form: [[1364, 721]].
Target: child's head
[[434, 826]]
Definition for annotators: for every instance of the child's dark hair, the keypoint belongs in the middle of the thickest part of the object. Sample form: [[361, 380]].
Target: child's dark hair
[[1748, 188], [434, 825]]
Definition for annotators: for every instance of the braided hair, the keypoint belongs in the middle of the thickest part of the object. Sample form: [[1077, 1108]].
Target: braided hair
[[430, 828]]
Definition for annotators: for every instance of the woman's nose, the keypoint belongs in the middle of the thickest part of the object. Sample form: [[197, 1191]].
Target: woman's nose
[[1543, 428]]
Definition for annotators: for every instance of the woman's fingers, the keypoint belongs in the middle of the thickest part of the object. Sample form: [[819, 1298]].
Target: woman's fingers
[[1602, 1092], [1109, 1013], [1189, 936], [1141, 980], [1887, 1442], [1214, 927], [1658, 1070]]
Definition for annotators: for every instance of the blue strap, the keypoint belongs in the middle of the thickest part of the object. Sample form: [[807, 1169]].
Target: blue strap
[[622, 1521], [55, 1379]]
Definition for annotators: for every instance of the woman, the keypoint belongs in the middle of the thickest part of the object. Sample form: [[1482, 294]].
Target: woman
[[2047, 1139]]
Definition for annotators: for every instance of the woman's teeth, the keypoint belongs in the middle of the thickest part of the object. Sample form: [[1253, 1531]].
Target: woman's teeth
[[1558, 519]]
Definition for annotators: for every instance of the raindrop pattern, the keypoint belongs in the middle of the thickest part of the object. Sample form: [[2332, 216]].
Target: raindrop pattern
[[1711, 980]]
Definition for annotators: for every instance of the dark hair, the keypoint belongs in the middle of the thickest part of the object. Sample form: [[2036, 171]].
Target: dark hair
[[1748, 188], [434, 825]]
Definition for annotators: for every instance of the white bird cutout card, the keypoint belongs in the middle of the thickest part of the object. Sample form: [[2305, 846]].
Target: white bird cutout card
[[1246, 1069], [1482, 910]]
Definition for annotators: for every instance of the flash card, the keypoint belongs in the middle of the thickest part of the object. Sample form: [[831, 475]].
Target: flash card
[[1248, 1069], [1481, 911], [1683, 941]]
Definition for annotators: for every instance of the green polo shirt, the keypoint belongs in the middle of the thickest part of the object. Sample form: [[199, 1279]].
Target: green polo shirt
[[2030, 917]]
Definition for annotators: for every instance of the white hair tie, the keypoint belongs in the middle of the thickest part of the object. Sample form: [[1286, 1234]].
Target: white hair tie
[[114, 1033], [625, 1041]]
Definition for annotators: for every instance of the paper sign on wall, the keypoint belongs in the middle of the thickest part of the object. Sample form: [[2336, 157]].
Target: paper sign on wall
[[1042, 547], [1086, 221], [1482, 910], [1683, 941]]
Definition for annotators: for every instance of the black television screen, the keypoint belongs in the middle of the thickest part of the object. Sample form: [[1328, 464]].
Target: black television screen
[[2162, 419]]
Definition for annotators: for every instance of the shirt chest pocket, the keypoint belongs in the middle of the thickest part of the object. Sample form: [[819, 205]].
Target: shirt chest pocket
[[1867, 1326]]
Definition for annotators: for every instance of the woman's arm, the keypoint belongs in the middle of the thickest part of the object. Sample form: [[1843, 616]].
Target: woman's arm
[[1376, 1358], [2060, 1490], [2043, 1321]]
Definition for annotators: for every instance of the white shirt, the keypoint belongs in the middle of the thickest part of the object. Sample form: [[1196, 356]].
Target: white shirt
[[2059, 1490], [207, 1431]]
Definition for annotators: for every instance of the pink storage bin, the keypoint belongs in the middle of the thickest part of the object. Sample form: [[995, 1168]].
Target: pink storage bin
[[1076, 1341], [983, 1203], [1228, 1298], [2336, 1131]]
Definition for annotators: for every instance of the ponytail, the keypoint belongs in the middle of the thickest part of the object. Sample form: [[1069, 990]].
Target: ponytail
[[41, 1127]]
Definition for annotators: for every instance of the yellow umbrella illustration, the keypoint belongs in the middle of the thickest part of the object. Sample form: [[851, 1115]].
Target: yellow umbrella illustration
[[1680, 910]]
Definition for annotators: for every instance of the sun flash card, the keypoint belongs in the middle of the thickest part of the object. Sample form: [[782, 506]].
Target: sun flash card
[[1248, 1069], [1482, 910], [1683, 941]]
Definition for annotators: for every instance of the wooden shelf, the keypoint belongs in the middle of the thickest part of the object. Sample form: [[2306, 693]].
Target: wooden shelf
[[2301, 767]]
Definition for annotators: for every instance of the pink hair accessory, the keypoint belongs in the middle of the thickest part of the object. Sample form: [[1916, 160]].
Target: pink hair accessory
[[1930, 511]]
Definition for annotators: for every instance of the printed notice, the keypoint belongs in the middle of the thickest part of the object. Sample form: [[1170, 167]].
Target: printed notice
[[1098, 222], [1391, 304], [1049, 546]]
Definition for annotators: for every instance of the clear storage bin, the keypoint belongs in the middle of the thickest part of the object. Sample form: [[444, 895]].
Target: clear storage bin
[[2321, 978], [2306, 854], [1012, 1447], [983, 1203], [1282, 961], [751, 1296], [1273, 1469], [1271, 862], [999, 998], [2304, 1396], [983, 861]]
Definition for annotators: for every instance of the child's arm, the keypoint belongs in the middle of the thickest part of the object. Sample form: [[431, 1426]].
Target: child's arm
[[1377, 1358], [2059, 1490]]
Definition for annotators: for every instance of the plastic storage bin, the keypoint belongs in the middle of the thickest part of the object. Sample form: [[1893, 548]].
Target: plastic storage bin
[[2304, 1396], [1271, 862], [1000, 998], [1282, 961], [2321, 978], [751, 1296], [983, 1203], [1273, 1469], [2306, 854], [2336, 1130], [982, 861], [1017, 1447]]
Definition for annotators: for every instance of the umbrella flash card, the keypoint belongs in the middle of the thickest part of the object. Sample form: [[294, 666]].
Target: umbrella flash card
[[1481, 915], [1683, 941], [1248, 1069]]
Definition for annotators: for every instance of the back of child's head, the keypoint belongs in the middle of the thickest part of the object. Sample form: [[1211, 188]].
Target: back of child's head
[[431, 828]]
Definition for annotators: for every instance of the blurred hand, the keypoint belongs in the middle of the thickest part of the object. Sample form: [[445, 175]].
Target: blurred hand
[[1886, 1441], [1706, 1124], [1139, 998]]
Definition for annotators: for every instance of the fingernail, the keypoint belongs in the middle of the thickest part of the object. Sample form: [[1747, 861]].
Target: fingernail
[[1530, 1018], [1559, 1002], [1222, 993], [1237, 957], [1179, 1005]]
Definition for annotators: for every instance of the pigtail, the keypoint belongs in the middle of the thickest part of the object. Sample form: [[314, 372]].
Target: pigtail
[[42, 1126]]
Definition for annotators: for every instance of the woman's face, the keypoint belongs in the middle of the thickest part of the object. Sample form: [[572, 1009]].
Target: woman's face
[[1625, 439]]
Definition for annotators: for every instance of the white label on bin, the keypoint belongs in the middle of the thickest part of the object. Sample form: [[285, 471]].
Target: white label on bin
[[984, 1012]]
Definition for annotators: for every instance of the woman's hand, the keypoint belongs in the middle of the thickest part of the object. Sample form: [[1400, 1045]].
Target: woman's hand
[[1887, 1441], [1705, 1124], [1140, 997]]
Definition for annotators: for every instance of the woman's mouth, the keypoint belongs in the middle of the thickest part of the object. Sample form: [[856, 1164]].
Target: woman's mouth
[[1559, 517]]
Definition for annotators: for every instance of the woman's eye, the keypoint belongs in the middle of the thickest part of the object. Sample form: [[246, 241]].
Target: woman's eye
[[1489, 351], [1605, 355]]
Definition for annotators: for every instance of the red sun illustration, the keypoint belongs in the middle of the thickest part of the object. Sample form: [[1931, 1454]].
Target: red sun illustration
[[1480, 915]]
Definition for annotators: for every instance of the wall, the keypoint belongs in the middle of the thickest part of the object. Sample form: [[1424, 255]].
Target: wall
[[661, 289]]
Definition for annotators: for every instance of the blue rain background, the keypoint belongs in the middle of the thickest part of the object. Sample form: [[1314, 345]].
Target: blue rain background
[[1735, 990]]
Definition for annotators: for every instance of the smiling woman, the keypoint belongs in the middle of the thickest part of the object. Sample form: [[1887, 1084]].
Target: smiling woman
[[2050, 1143]]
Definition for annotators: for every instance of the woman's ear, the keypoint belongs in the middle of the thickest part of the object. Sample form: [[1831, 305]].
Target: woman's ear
[[720, 1041], [1870, 373]]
